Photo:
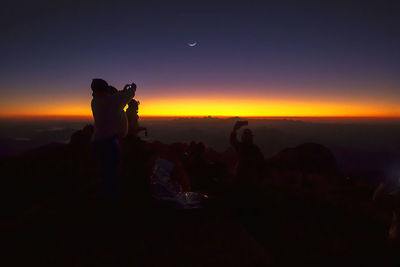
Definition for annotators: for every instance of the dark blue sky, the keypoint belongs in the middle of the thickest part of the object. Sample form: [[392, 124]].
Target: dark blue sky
[[322, 49]]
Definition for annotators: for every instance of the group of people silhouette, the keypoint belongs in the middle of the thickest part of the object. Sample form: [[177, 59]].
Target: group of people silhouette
[[112, 124]]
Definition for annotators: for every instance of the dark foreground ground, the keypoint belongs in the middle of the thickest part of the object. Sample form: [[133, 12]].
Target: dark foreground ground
[[52, 216]]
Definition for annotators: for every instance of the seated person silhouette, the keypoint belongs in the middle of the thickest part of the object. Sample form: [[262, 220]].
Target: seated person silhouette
[[110, 124], [249, 169], [133, 124]]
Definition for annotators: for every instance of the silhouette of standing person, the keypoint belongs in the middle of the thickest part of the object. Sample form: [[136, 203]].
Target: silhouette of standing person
[[133, 117], [110, 124], [250, 166]]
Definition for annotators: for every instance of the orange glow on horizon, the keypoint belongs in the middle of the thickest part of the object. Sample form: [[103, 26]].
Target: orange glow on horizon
[[260, 108], [217, 107]]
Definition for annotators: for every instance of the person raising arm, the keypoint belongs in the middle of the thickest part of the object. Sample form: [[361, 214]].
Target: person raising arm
[[110, 124]]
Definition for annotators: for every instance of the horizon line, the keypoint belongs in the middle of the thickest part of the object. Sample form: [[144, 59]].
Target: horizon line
[[74, 116]]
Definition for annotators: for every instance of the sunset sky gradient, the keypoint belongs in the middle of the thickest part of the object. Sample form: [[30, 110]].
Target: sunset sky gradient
[[292, 58]]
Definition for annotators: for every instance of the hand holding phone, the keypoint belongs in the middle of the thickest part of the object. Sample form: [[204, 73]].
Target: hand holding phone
[[129, 86]]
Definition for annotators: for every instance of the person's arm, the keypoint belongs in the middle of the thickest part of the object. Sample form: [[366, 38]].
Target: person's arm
[[233, 139], [126, 94]]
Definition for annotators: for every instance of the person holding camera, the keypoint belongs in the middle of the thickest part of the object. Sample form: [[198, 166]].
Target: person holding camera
[[110, 124]]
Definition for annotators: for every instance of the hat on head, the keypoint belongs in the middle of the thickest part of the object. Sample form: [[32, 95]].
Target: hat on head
[[99, 85]]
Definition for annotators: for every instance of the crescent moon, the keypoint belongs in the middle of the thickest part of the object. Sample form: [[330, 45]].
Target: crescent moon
[[192, 44]]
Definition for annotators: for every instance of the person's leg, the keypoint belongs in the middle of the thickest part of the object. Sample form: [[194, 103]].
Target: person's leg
[[109, 154]]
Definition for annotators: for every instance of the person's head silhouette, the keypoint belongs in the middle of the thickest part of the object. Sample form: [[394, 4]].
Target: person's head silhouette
[[99, 86], [133, 104]]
